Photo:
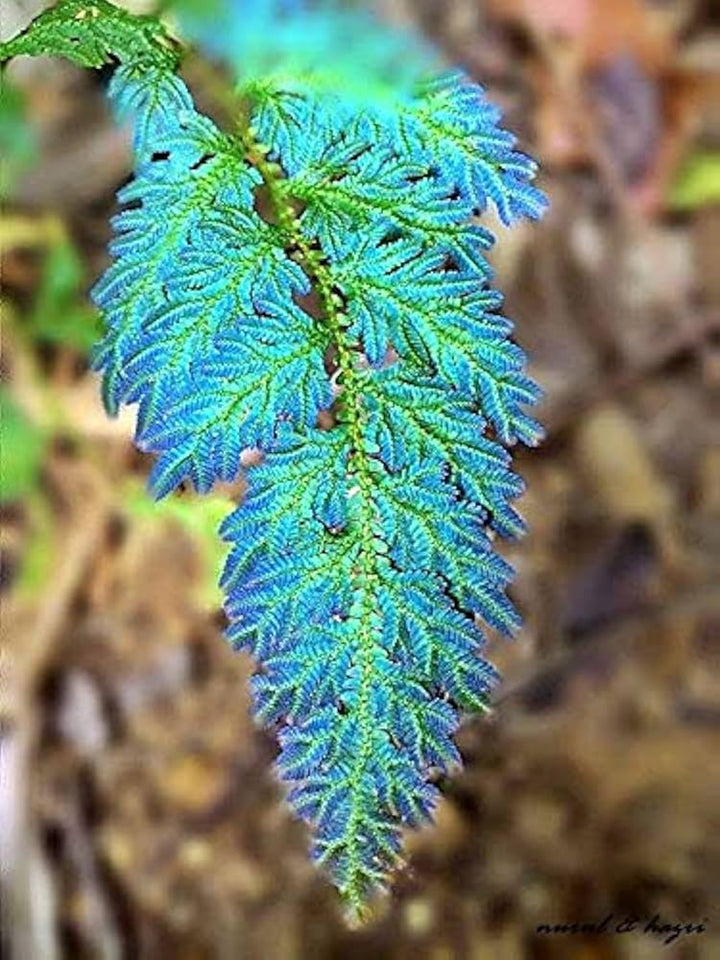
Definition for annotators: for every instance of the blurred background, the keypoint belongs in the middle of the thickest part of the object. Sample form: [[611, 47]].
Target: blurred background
[[139, 816]]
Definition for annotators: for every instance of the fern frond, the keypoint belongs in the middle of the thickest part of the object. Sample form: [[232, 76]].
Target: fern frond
[[386, 587], [326, 256]]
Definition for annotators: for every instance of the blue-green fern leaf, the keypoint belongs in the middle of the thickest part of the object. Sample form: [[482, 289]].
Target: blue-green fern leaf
[[203, 332], [313, 284]]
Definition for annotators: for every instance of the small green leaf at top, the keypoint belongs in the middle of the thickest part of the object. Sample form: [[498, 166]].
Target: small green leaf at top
[[93, 34]]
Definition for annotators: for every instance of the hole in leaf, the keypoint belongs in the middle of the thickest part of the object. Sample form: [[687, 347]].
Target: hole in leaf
[[392, 236], [334, 531], [450, 265], [262, 205], [326, 420], [205, 158], [309, 303], [419, 177]]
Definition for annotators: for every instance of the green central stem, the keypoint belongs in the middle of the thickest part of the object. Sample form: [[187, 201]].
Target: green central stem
[[365, 572]]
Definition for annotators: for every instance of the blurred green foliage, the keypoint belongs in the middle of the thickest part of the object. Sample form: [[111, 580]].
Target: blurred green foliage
[[17, 139], [333, 45], [23, 449], [60, 313], [699, 182]]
